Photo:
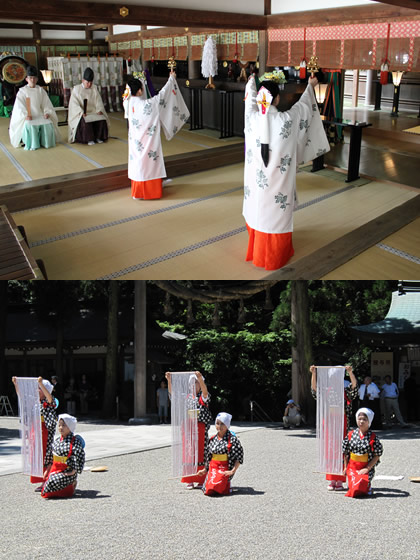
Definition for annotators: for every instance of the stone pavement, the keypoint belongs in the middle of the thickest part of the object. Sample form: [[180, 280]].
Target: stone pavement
[[279, 509]]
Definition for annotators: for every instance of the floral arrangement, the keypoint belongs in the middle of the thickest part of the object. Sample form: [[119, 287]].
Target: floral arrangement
[[139, 75], [275, 76]]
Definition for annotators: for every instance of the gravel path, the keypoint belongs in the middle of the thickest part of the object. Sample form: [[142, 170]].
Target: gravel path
[[280, 509]]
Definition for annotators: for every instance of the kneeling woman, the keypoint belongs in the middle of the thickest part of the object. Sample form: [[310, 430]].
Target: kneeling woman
[[362, 450], [224, 455], [67, 460]]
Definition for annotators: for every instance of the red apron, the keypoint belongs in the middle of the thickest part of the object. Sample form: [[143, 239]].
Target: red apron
[[60, 465], [358, 483], [217, 482]]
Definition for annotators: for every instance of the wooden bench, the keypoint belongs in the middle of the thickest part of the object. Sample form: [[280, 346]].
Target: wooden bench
[[16, 262]]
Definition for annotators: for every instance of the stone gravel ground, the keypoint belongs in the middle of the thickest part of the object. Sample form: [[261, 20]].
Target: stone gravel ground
[[280, 509]]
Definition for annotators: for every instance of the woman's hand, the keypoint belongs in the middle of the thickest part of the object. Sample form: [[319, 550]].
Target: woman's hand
[[202, 472], [313, 81], [40, 380], [168, 375], [312, 369], [172, 73], [363, 471], [229, 473], [349, 369]]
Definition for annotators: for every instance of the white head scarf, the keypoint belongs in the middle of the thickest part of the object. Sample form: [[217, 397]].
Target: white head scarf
[[369, 413], [48, 385], [290, 401], [70, 421], [225, 418]]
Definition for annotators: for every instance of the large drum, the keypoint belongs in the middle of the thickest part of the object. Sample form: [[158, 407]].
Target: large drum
[[12, 76]]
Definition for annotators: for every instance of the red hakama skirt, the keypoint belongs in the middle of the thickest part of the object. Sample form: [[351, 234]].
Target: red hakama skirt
[[147, 189], [269, 250]]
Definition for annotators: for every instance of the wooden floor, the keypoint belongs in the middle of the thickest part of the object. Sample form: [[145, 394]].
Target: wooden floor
[[18, 164], [196, 230]]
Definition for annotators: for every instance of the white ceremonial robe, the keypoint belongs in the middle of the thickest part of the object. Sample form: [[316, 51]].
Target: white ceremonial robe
[[94, 106], [296, 136], [40, 106], [167, 108]]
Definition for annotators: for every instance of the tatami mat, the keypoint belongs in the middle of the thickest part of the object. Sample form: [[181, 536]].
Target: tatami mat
[[196, 231], [20, 165], [400, 252]]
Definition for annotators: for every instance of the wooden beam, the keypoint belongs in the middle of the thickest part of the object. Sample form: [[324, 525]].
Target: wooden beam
[[267, 7], [98, 27], [342, 250], [376, 13], [88, 12], [50, 42]]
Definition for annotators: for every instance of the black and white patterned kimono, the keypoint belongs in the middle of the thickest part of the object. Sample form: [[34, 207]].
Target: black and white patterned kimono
[[229, 445], [68, 450], [360, 445], [49, 419]]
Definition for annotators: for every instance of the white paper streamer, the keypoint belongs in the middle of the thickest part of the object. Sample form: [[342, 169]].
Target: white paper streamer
[[209, 60], [330, 419], [184, 424], [30, 426]]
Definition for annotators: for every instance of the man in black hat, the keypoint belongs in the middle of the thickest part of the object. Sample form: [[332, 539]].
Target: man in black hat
[[34, 121], [88, 121]]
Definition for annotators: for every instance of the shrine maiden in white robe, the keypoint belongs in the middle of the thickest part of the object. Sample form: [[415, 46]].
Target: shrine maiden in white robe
[[295, 137], [167, 108], [40, 106], [95, 105]]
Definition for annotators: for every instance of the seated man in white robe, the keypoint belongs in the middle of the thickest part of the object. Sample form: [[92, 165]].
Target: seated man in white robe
[[88, 121], [33, 121]]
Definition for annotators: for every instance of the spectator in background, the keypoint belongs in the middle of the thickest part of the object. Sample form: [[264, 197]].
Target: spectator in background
[[390, 393], [70, 395], [162, 397], [58, 392], [369, 394], [292, 415], [84, 393]]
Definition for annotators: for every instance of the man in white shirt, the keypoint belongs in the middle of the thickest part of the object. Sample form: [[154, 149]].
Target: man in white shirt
[[369, 394], [390, 393]]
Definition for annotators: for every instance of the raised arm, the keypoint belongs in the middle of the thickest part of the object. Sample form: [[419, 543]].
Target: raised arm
[[353, 379], [312, 369], [203, 386], [47, 394], [251, 97], [168, 378]]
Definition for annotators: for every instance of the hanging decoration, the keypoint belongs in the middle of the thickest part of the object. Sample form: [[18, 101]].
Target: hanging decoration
[[312, 65], [385, 63], [302, 66], [236, 55]]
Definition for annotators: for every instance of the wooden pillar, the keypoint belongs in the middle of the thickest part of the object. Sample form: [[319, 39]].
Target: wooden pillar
[[89, 38], [370, 90], [263, 51], [140, 359], [36, 32], [355, 93]]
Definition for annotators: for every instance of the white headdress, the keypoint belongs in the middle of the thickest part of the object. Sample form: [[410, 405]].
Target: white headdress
[[48, 385], [369, 413], [70, 421], [225, 418]]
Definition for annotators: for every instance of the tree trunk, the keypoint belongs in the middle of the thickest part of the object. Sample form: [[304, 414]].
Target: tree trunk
[[140, 361], [3, 319], [110, 390], [301, 349]]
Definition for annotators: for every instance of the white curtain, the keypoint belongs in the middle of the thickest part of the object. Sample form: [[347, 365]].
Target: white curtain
[[30, 426], [330, 418], [184, 424]]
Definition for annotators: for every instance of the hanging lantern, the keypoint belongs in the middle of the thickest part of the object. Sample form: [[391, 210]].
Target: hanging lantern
[[241, 314], [216, 316], [384, 73]]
